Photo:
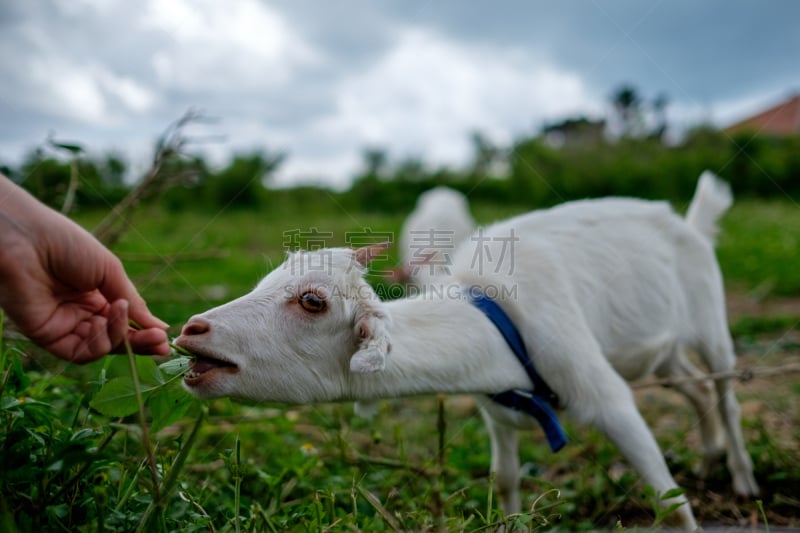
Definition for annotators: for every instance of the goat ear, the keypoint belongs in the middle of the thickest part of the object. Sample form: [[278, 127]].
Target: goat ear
[[366, 254], [372, 328], [397, 275]]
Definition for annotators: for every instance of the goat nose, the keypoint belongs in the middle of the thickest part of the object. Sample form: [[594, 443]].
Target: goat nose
[[196, 326]]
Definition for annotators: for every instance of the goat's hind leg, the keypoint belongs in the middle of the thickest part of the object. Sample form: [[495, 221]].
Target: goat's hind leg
[[702, 396], [720, 358]]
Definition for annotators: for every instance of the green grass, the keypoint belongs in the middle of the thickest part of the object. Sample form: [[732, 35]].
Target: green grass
[[320, 468], [759, 247]]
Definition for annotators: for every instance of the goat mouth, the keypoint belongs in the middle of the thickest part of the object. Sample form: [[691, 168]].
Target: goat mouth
[[205, 365]]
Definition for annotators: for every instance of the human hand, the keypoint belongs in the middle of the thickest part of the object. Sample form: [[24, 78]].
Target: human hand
[[64, 289]]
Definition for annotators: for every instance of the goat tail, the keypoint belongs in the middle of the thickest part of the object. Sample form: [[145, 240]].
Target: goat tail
[[711, 199]]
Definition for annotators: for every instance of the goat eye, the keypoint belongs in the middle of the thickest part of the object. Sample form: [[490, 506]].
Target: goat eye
[[312, 302]]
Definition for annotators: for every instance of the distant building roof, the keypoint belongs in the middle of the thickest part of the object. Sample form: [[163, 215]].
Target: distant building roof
[[779, 120], [579, 131]]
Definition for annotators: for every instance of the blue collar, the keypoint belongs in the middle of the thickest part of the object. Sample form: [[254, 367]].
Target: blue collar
[[536, 402]]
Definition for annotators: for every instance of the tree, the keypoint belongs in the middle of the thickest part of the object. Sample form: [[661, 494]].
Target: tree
[[45, 177], [241, 183], [375, 161], [659, 108], [639, 118], [485, 155], [627, 103]]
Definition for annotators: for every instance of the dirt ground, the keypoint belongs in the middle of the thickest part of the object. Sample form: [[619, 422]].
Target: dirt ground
[[741, 303]]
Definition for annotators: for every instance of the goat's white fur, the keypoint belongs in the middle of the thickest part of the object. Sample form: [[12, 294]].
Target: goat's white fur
[[601, 291], [711, 199], [439, 222]]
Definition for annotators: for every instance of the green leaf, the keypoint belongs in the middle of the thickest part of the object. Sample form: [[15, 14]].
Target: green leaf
[[672, 493], [9, 402], [175, 366], [17, 379], [148, 371], [169, 405], [35, 436], [116, 398], [75, 148], [81, 434]]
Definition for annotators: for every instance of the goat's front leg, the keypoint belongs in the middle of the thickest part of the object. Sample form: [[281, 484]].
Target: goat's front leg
[[505, 463], [616, 415]]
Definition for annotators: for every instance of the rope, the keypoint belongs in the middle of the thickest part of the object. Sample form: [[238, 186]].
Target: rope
[[743, 376]]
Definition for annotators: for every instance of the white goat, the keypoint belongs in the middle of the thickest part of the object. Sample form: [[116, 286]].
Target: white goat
[[600, 290], [428, 238]]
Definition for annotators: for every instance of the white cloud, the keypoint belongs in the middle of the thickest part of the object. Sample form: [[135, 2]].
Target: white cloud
[[333, 171], [65, 90], [427, 93], [82, 8], [130, 93], [50, 78], [88, 93], [234, 46]]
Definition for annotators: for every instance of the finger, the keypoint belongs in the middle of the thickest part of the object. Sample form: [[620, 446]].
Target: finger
[[116, 285], [149, 341], [117, 327], [98, 342], [142, 316]]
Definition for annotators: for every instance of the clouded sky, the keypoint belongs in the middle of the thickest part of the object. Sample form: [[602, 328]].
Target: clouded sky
[[323, 80]]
